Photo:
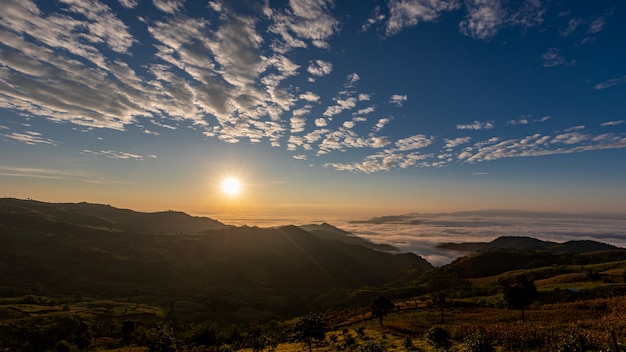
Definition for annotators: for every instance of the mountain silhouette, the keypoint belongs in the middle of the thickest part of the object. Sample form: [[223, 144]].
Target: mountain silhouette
[[529, 243], [225, 273]]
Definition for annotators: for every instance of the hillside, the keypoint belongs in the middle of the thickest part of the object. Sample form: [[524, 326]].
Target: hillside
[[20, 213], [529, 243], [223, 273]]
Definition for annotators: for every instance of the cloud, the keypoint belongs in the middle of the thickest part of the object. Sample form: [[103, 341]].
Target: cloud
[[408, 13], [349, 124], [321, 122], [420, 234], [310, 96], [381, 124], [129, 4], [484, 18], [543, 119], [168, 6], [596, 26], [552, 58], [477, 125], [297, 124], [305, 20], [383, 161], [453, 143], [376, 17], [414, 142], [113, 154], [398, 99], [520, 121], [612, 123], [320, 68], [610, 83], [366, 111], [29, 137], [341, 105], [40, 173], [530, 14], [539, 145], [352, 79]]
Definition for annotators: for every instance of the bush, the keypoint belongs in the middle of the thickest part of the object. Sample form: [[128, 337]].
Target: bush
[[439, 338], [162, 340], [408, 343], [477, 342], [568, 342], [372, 347]]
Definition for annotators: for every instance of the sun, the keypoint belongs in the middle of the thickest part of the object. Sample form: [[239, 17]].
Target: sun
[[231, 186]]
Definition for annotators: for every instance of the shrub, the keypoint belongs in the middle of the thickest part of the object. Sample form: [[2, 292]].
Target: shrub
[[568, 342], [439, 338], [162, 339], [477, 342], [372, 347], [408, 343]]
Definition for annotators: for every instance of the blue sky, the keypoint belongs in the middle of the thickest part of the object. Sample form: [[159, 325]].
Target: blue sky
[[318, 107]]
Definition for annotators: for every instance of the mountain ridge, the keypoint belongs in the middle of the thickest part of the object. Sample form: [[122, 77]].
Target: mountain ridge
[[230, 273], [529, 243]]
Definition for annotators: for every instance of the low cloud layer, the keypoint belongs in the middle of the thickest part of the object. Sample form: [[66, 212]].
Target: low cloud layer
[[421, 233]]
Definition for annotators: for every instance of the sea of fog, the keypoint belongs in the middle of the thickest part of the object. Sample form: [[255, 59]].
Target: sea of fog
[[421, 233]]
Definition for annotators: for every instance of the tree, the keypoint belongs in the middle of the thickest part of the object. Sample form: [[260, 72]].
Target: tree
[[381, 306], [128, 331], [310, 327], [441, 281], [83, 336], [256, 340], [439, 338], [162, 339], [519, 291]]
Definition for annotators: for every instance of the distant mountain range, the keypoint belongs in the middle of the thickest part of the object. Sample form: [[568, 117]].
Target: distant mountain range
[[494, 214], [202, 267], [529, 243]]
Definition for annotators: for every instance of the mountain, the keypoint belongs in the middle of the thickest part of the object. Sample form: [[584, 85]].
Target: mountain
[[529, 243], [331, 232], [213, 271], [516, 253], [100, 216]]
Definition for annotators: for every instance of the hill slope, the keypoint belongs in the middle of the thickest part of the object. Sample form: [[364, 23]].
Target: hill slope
[[17, 212], [529, 243], [224, 273]]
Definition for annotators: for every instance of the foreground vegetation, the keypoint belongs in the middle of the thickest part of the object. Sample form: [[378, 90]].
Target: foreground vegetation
[[562, 318]]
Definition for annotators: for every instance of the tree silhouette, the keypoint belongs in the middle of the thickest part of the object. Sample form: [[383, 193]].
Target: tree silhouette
[[519, 291], [441, 281], [83, 336], [439, 338], [128, 331], [256, 340], [381, 306], [309, 328]]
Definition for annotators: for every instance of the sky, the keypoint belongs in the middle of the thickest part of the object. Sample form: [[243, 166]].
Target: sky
[[319, 108]]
